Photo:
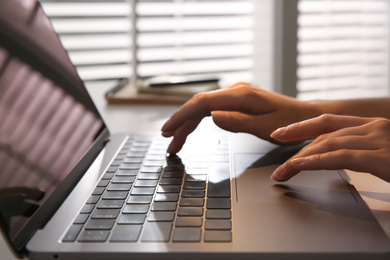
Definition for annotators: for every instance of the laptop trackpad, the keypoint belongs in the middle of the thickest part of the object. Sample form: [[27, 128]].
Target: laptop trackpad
[[252, 179], [303, 213]]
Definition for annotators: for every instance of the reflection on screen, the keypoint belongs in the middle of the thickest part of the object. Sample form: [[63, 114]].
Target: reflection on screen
[[43, 134]]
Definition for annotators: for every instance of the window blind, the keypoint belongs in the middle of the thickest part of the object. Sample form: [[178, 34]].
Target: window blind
[[95, 34], [206, 37], [343, 49]]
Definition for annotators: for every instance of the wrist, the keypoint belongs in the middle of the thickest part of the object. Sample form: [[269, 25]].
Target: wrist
[[314, 108]]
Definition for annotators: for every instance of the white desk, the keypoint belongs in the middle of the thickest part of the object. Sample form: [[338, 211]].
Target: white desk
[[150, 118]]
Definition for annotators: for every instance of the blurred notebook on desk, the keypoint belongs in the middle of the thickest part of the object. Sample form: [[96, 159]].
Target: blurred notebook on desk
[[166, 89]]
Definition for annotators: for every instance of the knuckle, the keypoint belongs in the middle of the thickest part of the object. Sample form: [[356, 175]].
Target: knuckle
[[321, 138], [242, 84], [247, 91], [326, 118], [382, 124], [200, 98], [345, 155], [327, 141]]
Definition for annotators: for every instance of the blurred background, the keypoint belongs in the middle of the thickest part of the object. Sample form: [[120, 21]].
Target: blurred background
[[310, 49]]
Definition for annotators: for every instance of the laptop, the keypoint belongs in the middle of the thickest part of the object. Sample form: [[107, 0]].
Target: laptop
[[71, 190]]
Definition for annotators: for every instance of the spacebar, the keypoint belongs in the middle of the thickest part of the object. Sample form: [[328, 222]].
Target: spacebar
[[219, 180]]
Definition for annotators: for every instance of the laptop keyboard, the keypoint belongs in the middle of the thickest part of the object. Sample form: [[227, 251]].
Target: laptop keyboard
[[148, 197]]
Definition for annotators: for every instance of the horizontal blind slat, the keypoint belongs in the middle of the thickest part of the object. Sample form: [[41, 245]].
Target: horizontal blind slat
[[341, 58], [84, 9], [195, 38], [190, 67], [309, 6], [203, 52], [211, 8], [96, 41], [193, 23]]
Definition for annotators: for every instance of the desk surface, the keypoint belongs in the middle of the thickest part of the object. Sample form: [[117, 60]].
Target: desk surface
[[150, 118]]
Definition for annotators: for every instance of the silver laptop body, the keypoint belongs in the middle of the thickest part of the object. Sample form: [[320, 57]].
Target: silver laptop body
[[58, 172]]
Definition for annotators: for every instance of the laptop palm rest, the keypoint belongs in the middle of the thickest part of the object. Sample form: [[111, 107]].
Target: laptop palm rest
[[313, 212]]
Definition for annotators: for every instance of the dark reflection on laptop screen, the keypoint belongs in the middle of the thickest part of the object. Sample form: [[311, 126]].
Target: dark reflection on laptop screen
[[43, 134]]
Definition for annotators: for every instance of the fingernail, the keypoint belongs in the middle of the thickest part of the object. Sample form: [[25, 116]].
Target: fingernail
[[297, 162], [167, 133], [278, 132], [278, 174]]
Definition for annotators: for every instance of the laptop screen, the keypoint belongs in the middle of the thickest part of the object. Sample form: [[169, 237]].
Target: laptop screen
[[47, 120]]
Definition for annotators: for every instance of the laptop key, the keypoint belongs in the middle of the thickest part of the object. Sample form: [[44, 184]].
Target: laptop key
[[161, 216], [126, 233], [105, 213], [127, 172], [172, 174], [219, 181], [190, 211], [130, 167], [110, 204], [148, 176], [191, 202], [103, 183], [112, 169], [218, 203], [136, 208], [154, 163], [156, 232], [142, 191], [218, 214], [151, 169], [167, 197], [94, 236], [139, 199], [217, 236], [100, 224], [87, 208], [115, 195], [123, 179], [133, 159], [196, 177], [193, 194], [168, 189], [81, 219], [131, 219], [164, 206], [189, 222], [145, 183], [194, 185], [187, 235], [98, 191], [119, 187], [171, 181], [93, 199], [72, 233], [107, 175], [218, 224]]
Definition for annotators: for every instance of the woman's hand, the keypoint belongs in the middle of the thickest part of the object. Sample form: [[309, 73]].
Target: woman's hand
[[239, 108], [341, 142]]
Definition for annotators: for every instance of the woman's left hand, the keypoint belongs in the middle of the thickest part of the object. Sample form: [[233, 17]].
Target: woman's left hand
[[341, 142]]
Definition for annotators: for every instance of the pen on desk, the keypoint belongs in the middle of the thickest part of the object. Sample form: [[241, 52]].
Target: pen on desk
[[120, 84]]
